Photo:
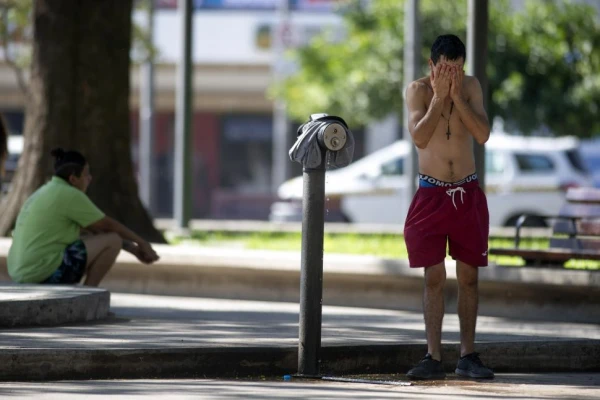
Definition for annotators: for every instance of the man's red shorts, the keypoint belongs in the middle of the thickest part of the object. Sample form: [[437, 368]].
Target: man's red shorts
[[454, 214]]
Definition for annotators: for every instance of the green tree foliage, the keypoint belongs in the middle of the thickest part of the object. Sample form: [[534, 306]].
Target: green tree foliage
[[543, 69], [16, 35], [546, 68]]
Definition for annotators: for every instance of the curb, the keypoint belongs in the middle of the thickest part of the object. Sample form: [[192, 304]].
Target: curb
[[232, 362]]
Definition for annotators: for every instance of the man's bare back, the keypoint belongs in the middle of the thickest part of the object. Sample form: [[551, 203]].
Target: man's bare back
[[445, 145]]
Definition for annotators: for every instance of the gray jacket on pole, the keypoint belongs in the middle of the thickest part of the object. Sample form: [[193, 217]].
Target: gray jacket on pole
[[307, 150]]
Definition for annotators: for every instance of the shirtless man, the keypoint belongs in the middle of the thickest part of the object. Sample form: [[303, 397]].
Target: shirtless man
[[445, 114]]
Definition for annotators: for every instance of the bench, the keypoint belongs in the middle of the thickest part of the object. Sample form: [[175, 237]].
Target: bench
[[575, 232]]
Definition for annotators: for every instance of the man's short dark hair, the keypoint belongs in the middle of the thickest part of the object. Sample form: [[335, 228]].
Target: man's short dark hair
[[449, 46]]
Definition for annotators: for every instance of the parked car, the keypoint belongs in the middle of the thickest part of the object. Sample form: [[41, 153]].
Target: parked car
[[590, 152], [523, 175]]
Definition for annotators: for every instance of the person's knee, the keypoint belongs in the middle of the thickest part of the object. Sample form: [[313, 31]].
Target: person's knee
[[435, 277], [468, 277], [114, 241]]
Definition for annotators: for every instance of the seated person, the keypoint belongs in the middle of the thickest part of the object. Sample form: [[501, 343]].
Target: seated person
[[47, 247]]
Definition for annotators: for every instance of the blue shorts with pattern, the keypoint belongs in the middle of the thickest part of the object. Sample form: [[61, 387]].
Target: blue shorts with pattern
[[72, 268]]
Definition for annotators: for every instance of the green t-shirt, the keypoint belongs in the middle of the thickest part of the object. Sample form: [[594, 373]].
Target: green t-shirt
[[49, 221]]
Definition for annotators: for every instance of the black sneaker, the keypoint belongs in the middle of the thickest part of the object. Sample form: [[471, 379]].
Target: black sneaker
[[427, 368], [470, 366]]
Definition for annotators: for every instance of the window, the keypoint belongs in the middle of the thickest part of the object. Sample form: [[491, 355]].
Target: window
[[576, 161], [534, 163], [247, 148], [494, 162], [393, 167]]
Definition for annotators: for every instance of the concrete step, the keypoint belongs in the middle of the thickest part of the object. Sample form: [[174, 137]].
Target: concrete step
[[50, 305]]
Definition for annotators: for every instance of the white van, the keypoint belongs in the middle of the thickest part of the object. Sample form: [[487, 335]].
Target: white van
[[523, 175]]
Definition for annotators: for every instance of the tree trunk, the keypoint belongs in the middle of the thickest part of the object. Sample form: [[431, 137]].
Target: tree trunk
[[79, 99]]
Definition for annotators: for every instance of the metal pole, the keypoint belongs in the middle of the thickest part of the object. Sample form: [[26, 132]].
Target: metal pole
[[412, 70], [311, 277], [183, 145], [281, 142], [147, 116], [477, 56], [332, 138]]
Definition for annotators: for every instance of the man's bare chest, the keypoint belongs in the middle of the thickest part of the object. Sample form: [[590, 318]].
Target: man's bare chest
[[450, 124]]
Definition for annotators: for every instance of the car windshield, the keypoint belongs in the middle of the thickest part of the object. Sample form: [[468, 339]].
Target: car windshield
[[576, 160]]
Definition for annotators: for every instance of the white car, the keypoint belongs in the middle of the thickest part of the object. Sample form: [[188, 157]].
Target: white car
[[523, 175]]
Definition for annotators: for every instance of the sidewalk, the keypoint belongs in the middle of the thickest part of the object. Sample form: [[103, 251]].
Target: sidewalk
[[168, 337], [349, 280]]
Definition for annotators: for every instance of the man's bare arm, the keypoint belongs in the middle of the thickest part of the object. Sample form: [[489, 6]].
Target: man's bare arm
[[422, 121], [472, 113], [131, 241], [108, 224]]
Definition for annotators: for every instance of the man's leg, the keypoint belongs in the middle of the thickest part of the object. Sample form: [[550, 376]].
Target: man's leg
[[469, 364], [433, 306], [430, 367], [468, 300], [102, 251]]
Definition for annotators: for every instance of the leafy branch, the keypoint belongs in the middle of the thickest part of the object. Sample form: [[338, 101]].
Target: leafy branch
[[21, 10]]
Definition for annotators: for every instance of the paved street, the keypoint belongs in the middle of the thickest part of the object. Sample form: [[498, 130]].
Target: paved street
[[505, 386]]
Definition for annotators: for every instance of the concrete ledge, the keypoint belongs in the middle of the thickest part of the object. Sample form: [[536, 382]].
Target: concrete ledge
[[29, 305], [51, 364]]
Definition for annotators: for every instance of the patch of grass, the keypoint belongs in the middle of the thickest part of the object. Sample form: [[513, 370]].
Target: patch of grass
[[380, 245], [383, 245]]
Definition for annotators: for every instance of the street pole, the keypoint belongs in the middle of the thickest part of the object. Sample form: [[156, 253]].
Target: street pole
[[311, 271], [146, 110], [183, 121], [330, 138], [281, 143], [477, 56], [412, 67]]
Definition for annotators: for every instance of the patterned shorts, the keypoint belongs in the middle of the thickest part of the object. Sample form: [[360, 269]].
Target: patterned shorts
[[72, 268]]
